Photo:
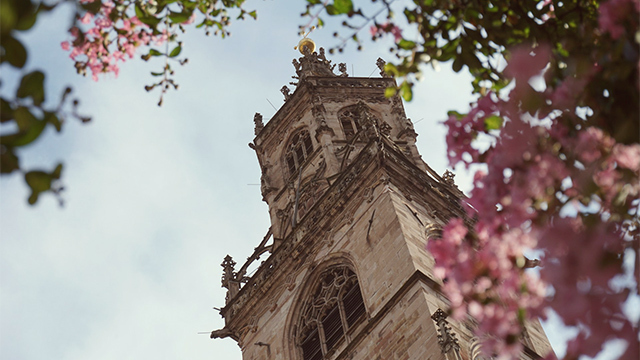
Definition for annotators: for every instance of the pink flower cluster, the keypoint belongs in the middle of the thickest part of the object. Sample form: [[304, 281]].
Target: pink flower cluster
[[378, 30], [107, 42], [551, 184], [613, 14]]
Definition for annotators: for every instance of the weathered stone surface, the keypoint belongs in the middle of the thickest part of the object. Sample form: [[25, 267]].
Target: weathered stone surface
[[361, 198]]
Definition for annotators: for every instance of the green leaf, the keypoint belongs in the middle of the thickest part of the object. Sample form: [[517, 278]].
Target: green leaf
[[254, 15], [391, 69], [179, 18], [493, 122], [157, 73], [6, 111], [139, 12], [28, 19], [53, 119], [406, 44], [57, 172], [342, 6], [176, 51], [406, 91], [154, 52], [8, 161], [456, 114], [29, 128], [14, 51], [40, 181], [92, 7], [331, 10], [32, 85], [390, 91], [457, 64]]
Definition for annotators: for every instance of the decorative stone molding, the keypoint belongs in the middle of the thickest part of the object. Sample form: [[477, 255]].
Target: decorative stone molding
[[448, 177], [381, 63], [286, 92], [229, 278], [342, 67], [298, 245], [313, 64], [446, 338], [259, 125]]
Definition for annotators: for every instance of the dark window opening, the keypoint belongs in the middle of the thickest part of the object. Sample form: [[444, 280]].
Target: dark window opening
[[335, 307], [298, 150], [349, 121], [353, 305], [311, 348], [332, 326]]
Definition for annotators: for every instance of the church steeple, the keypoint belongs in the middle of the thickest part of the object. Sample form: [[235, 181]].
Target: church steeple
[[319, 130], [352, 206]]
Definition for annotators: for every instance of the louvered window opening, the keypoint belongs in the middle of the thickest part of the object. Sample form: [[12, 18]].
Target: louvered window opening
[[299, 149], [335, 307], [349, 121]]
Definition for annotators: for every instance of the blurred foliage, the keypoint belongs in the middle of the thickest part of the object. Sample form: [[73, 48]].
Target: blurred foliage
[[26, 114], [476, 35], [479, 35]]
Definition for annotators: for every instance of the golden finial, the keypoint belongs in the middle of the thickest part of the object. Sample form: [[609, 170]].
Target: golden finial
[[306, 43]]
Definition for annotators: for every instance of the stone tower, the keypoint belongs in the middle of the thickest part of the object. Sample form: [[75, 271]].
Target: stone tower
[[343, 272]]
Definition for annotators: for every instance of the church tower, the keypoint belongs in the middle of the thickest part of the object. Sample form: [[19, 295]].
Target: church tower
[[343, 272]]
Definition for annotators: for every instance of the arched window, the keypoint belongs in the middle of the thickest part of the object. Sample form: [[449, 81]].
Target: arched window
[[349, 120], [298, 150], [334, 308]]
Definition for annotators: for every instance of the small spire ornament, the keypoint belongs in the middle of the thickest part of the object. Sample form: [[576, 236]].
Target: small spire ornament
[[306, 45]]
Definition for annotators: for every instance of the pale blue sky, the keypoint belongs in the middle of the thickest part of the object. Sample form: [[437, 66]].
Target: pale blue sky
[[156, 197]]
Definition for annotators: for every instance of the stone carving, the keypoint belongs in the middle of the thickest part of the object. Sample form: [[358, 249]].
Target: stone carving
[[313, 64], [286, 92], [446, 338], [265, 186], [257, 120], [342, 67], [290, 282], [433, 231], [229, 278], [408, 131], [318, 113], [299, 245], [448, 177], [223, 333], [381, 63], [385, 128]]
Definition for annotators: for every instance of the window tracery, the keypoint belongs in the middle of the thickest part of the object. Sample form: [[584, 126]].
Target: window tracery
[[298, 150], [335, 307], [349, 120]]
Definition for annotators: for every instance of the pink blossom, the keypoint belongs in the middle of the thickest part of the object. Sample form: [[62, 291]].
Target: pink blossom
[[101, 46], [612, 16], [379, 30], [627, 156], [86, 18], [527, 62]]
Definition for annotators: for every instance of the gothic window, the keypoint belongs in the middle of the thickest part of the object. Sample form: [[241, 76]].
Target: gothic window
[[298, 150], [335, 307], [349, 121]]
